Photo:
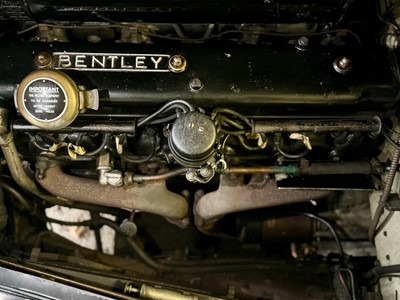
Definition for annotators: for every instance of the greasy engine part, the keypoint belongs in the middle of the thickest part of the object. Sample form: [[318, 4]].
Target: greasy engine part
[[131, 178], [14, 163], [270, 120], [282, 230], [256, 227], [152, 197], [233, 195], [3, 210], [150, 293], [315, 169], [315, 126], [192, 139], [81, 126], [385, 193], [311, 169]]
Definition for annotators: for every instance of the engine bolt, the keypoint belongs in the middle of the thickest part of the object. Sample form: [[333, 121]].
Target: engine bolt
[[190, 176], [44, 60], [302, 43], [195, 84], [342, 65], [206, 172], [177, 64]]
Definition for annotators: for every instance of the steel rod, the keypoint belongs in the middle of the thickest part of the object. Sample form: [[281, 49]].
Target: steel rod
[[274, 126], [116, 127]]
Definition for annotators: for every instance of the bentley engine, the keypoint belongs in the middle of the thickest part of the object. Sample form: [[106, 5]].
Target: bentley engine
[[215, 149]]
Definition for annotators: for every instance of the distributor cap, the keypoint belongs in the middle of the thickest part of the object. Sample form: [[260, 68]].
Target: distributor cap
[[192, 139]]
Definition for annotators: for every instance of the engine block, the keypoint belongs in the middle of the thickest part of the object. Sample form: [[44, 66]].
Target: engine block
[[233, 149]]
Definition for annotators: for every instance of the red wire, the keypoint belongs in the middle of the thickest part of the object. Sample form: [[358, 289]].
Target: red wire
[[344, 284]]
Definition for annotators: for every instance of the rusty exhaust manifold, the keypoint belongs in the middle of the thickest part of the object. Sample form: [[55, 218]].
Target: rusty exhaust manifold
[[233, 195], [151, 197]]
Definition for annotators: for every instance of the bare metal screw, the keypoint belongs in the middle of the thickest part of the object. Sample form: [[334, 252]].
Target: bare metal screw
[[44, 60], [303, 41], [130, 289], [190, 176], [342, 65], [206, 172], [115, 178], [177, 63], [344, 62], [195, 84]]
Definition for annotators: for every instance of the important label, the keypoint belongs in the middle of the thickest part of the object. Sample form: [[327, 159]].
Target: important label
[[44, 99]]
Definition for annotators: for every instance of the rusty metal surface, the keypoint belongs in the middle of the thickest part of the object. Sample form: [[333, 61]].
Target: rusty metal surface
[[14, 162], [152, 197], [116, 127], [131, 178], [235, 196], [287, 229], [3, 121], [313, 126]]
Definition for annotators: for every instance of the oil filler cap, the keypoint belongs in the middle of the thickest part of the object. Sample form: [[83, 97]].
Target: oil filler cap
[[51, 100]]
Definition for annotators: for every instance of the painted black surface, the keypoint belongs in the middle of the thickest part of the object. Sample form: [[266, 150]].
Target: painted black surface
[[176, 11], [258, 80], [44, 99]]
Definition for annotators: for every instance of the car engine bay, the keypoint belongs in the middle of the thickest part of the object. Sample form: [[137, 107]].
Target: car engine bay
[[235, 149]]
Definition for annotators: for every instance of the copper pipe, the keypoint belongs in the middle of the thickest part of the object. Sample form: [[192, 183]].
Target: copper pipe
[[357, 167], [264, 170]]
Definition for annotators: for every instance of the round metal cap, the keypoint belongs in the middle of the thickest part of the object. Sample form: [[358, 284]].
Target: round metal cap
[[192, 139], [48, 99]]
